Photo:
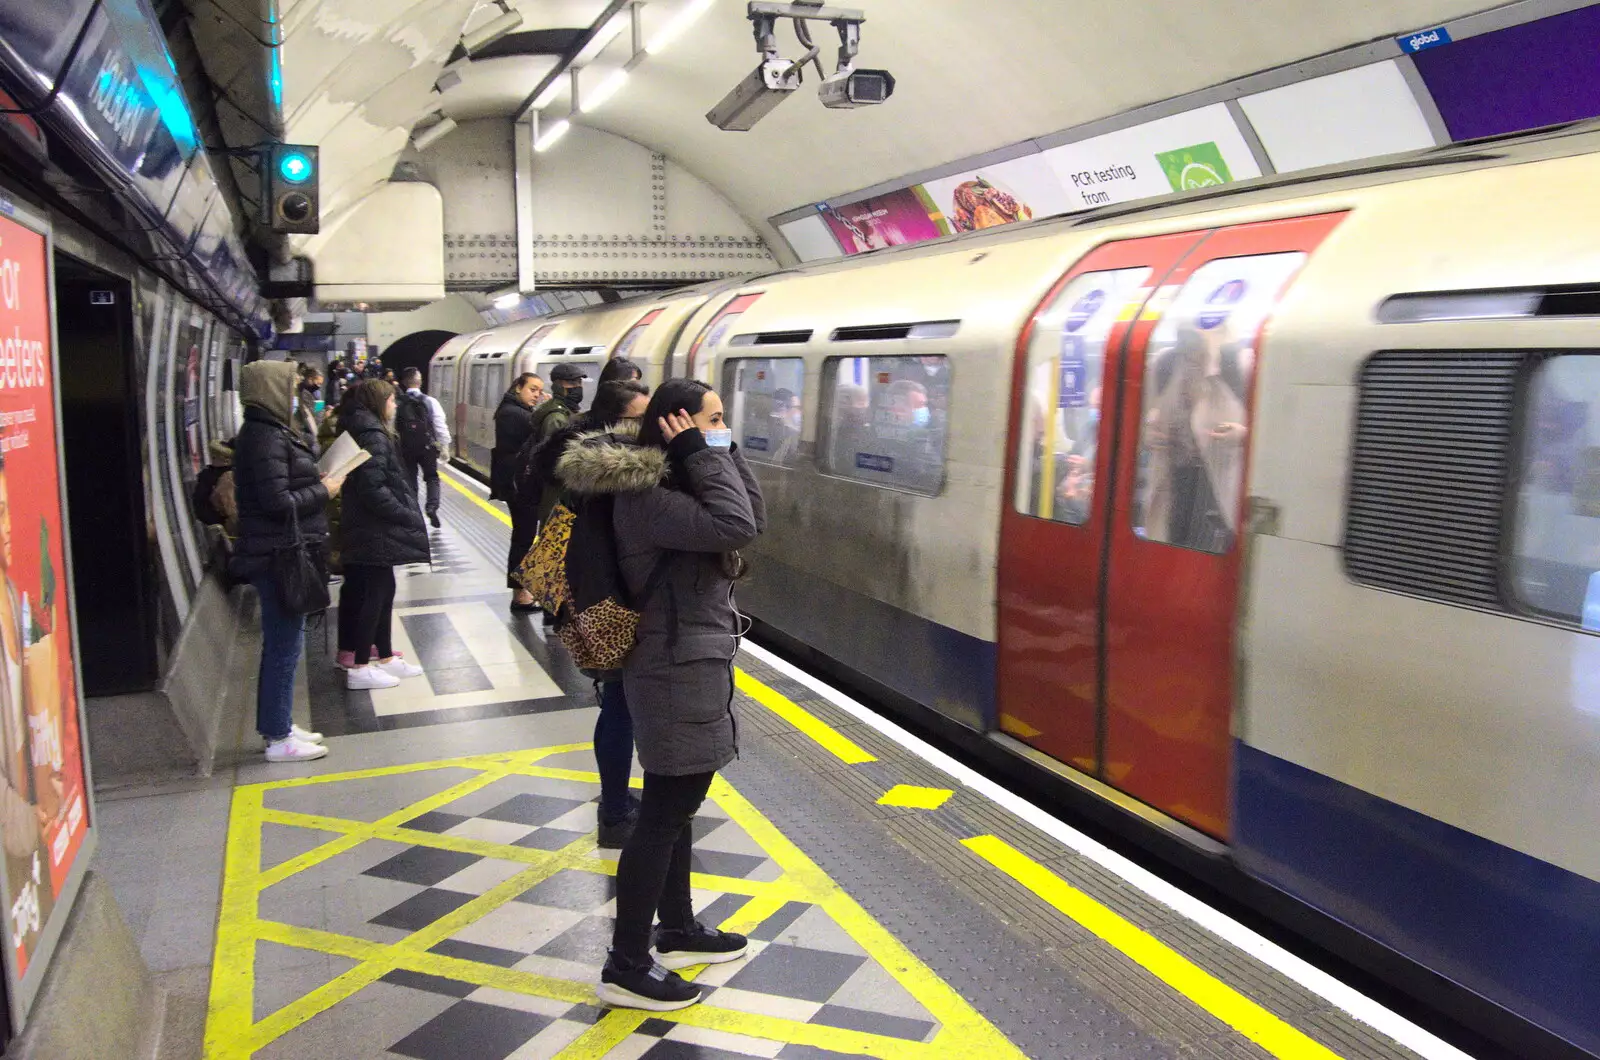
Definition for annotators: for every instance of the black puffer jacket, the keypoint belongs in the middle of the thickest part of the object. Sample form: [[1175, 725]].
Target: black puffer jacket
[[513, 422], [274, 474], [380, 523]]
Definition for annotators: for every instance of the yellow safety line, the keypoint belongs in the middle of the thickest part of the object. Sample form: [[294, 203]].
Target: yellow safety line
[[1193, 982], [233, 965], [842, 748], [472, 496]]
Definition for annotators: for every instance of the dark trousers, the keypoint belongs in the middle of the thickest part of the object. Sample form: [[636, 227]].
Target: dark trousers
[[429, 467], [524, 528], [366, 611], [613, 751], [653, 872], [282, 639]]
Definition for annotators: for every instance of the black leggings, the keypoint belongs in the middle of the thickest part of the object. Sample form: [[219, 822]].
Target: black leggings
[[524, 528], [366, 611], [653, 871]]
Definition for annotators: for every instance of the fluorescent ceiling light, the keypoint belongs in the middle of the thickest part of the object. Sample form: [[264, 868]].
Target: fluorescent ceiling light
[[508, 301], [604, 90], [680, 22], [602, 40], [548, 138]]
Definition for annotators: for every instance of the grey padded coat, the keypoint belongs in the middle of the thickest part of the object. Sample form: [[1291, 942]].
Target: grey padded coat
[[679, 676]]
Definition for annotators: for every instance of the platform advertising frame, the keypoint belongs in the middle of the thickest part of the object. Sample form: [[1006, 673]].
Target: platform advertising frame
[[55, 801]]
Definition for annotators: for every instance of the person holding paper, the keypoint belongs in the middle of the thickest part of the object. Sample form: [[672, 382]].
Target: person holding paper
[[281, 497], [381, 528]]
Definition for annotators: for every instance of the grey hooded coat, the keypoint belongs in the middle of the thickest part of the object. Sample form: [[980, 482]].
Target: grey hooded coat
[[679, 676]]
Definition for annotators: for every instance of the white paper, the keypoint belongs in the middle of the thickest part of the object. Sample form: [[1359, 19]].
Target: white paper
[[343, 456]]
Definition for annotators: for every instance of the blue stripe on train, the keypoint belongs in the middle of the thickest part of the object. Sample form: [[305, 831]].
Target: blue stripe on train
[[1515, 929], [939, 667]]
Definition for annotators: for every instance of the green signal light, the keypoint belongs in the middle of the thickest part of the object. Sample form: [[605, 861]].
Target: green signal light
[[295, 168]]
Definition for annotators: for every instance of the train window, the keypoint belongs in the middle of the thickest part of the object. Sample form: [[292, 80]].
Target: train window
[[1061, 408], [1195, 425], [591, 378], [886, 420], [1556, 548], [762, 399]]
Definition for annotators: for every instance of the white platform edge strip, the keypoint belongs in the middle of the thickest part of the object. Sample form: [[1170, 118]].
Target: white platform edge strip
[[461, 476], [1322, 984]]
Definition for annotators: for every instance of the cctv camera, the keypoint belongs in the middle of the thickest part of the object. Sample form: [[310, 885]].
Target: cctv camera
[[755, 97], [491, 31], [433, 134], [847, 90]]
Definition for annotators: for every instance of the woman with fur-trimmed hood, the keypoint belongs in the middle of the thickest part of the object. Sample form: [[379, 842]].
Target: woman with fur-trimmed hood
[[685, 503]]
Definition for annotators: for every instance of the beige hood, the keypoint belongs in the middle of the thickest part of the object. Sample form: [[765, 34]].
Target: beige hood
[[269, 386]]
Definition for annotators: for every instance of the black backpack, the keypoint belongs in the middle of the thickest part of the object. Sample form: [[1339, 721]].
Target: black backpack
[[413, 422], [205, 484]]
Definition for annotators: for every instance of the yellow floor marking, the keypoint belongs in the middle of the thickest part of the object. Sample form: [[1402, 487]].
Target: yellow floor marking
[[913, 797], [474, 497], [1193, 982], [802, 719], [232, 1033]]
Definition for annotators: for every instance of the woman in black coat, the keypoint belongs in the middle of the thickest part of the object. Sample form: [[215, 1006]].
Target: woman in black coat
[[277, 488], [381, 528], [513, 423]]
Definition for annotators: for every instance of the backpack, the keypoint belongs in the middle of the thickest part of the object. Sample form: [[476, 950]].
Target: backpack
[[205, 484], [413, 422]]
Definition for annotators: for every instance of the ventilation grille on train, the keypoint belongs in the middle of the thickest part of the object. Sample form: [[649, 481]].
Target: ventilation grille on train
[[1434, 435], [772, 338], [928, 329]]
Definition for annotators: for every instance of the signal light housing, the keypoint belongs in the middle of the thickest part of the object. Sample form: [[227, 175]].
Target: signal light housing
[[292, 200]]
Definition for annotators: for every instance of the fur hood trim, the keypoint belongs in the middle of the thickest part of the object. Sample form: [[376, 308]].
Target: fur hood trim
[[598, 462]]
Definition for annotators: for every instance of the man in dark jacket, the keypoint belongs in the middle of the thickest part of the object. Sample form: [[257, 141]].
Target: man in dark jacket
[[513, 425], [279, 495], [381, 528]]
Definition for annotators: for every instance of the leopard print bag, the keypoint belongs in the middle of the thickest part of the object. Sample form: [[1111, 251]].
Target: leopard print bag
[[543, 571]]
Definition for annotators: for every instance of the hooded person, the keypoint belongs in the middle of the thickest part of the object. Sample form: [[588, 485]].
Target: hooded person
[[280, 496]]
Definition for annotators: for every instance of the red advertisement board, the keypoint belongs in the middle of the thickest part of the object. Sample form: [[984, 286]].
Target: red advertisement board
[[44, 804]]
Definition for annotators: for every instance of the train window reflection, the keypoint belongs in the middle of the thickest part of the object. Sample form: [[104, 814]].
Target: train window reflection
[[1556, 552], [763, 399], [1061, 408], [1195, 427], [887, 420]]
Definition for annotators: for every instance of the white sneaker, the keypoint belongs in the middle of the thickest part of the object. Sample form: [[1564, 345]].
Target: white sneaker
[[369, 676], [305, 735], [293, 749], [398, 667]]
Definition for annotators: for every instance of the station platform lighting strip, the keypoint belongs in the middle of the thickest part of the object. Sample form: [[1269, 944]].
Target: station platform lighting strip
[[1180, 974]]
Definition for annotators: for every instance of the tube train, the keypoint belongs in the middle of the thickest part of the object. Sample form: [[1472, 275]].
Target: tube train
[[1270, 515]]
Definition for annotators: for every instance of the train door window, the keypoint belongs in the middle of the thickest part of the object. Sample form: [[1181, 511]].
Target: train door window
[[631, 339], [1061, 404], [1556, 550], [1195, 425], [763, 405], [591, 378], [498, 383], [886, 420]]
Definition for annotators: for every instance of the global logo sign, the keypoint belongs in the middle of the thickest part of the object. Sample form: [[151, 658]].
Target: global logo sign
[[1428, 38], [1084, 309], [1220, 303]]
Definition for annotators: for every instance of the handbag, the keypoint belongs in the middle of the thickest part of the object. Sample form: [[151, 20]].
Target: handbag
[[298, 575], [543, 570]]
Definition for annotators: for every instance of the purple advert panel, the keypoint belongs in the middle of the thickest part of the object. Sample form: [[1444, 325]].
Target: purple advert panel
[[1522, 77]]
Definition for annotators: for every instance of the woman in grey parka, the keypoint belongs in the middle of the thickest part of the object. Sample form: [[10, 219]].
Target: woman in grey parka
[[678, 535]]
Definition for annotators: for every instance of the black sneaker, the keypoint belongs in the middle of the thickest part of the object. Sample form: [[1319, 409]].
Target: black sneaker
[[698, 945], [614, 835], [650, 987], [433, 517]]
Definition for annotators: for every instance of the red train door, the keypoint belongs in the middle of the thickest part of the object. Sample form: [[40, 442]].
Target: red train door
[[1174, 559], [1053, 526]]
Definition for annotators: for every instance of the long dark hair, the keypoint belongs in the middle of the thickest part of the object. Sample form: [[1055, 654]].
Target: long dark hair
[[621, 370], [372, 395], [675, 395], [611, 400]]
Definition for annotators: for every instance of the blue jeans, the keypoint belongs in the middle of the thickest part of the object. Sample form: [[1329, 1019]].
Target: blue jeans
[[613, 751], [282, 641]]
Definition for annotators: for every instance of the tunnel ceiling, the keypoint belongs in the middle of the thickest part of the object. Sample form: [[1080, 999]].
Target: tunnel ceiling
[[359, 74]]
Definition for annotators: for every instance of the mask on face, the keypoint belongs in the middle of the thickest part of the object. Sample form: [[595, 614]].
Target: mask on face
[[572, 396], [719, 437], [921, 417]]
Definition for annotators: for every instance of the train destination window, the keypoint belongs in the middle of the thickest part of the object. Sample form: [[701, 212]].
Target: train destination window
[[1556, 549], [1061, 406], [1196, 417], [888, 420], [763, 407]]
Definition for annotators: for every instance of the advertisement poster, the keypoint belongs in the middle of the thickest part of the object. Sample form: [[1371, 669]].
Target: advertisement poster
[[892, 220], [1018, 190], [44, 810], [1197, 149]]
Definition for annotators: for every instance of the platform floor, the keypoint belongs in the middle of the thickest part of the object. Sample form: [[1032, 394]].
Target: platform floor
[[432, 889]]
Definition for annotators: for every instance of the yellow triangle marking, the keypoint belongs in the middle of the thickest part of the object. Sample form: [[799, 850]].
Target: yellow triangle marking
[[913, 797], [233, 1034]]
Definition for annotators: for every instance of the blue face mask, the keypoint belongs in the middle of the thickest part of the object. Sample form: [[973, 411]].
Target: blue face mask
[[921, 417], [719, 438]]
